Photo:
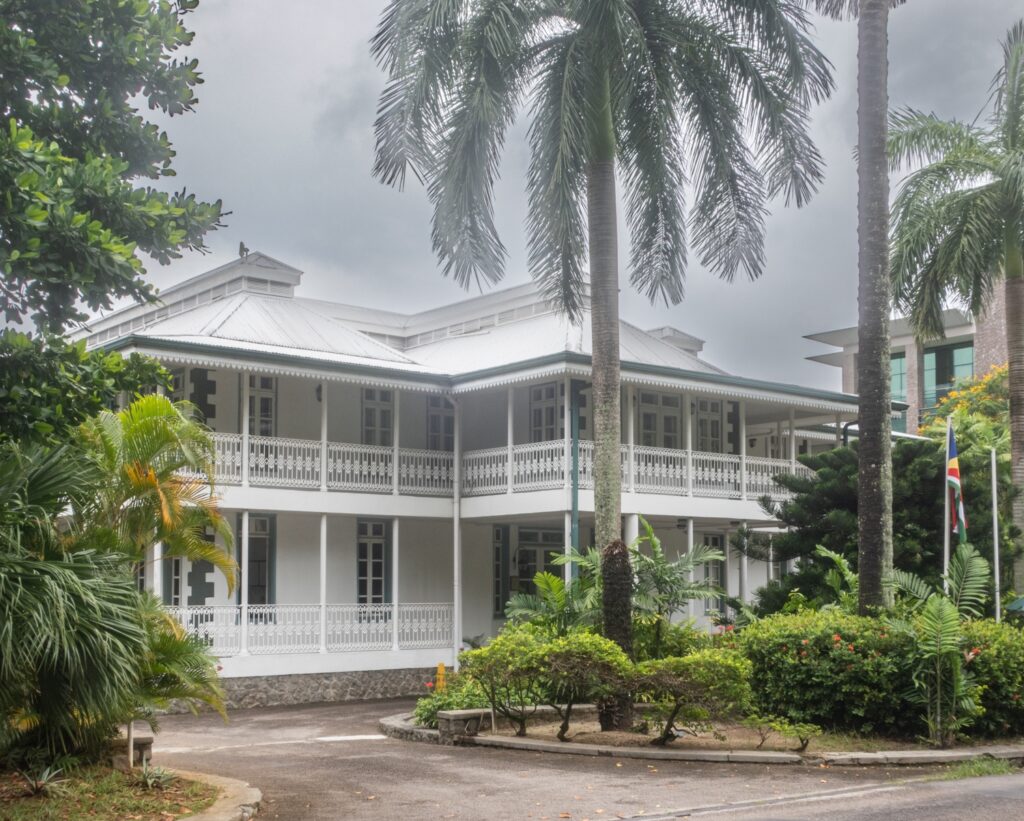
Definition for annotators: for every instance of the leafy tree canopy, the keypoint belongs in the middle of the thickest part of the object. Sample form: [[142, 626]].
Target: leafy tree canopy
[[48, 387], [73, 220]]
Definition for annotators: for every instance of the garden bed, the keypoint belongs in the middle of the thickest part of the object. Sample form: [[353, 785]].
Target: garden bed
[[103, 794]]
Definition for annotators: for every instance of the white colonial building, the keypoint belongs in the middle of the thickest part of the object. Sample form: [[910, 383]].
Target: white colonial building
[[393, 478]]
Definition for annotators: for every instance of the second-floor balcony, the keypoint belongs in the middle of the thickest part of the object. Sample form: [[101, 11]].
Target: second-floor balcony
[[282, 462]]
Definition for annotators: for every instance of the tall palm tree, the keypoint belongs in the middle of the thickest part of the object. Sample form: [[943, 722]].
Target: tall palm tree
[[958, 222], [874, 298], [158, 464], [702, 97]]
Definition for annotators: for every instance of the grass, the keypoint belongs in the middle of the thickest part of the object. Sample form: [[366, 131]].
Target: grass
[[102, 794], [979, 767]]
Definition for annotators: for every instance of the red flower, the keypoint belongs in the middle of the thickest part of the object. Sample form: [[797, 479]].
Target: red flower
[[428, 684], [730, 627], [849, 647], [836, 637], [805, 641]]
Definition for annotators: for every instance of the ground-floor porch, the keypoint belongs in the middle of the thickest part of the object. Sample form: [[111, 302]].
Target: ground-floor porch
[[327, 593]]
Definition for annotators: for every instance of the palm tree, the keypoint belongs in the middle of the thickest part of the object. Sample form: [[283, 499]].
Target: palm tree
[[158, 465], [874, 298], [958, 222], [706, 95]]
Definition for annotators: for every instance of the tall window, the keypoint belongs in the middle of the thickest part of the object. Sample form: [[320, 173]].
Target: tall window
[[537, 551], [178, 392], [174, 585], [371, 562], [440, 424], [660, 417], [943, 367], [713, 574], [378, 416], [262, 405], [261, 536], [500, 553], [709, 425], [544, 412], [898, 377]]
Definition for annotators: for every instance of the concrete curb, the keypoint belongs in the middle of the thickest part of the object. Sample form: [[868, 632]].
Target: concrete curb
[[238, 801], [400, 726]]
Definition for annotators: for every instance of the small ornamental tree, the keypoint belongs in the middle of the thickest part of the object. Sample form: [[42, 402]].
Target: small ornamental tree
[[691, 690], [508, 670], [579, 667]]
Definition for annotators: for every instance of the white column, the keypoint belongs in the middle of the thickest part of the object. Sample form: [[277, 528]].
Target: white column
[[778, 440], [688, 435], [743, 448], [771, 558], [631, 435], [743, 571], [396, 455], [155, 575], [792, 440], [457, 539], [567, 440], [727, 550], [323, 436], [323, 582], [243, 582], [510, 430], [394, 583], [689, 549], [632, 528], [245, 429]]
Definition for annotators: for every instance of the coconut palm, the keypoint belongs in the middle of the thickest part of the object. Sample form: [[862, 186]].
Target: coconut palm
[[158, 464], [958, 221], [695, 101], [874, 297]]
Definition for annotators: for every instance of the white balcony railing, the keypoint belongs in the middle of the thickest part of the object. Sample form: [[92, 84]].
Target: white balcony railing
[[295, 463], [281, 629]]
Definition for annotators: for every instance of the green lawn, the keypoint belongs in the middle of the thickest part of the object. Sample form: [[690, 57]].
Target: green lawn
[[102, 794]]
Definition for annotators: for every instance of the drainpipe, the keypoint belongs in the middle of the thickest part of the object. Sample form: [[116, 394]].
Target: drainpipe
[[846, 431], [575, 424], [457, 535]]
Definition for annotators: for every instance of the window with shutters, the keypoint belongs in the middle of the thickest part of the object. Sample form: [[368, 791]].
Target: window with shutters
[[709, 425], [372, 562], [659, 416], [262, 405], [378, 416], [440, 424]]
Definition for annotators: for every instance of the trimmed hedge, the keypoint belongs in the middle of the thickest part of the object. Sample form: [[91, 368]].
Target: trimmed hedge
[[839, 671], [999, 668]]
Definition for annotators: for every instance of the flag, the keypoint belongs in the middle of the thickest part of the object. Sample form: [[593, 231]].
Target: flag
[[958, 515]]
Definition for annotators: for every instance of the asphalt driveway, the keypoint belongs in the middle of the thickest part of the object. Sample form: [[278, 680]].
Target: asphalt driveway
[[328, 761]]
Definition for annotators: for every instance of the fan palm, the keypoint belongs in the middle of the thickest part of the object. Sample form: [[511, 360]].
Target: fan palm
[[706, 98], [158, 465], [958, 221]]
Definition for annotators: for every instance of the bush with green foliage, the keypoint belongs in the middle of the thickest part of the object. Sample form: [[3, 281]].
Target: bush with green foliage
[[581, 667], [672, 639], [836, 670], [460, 692], [509, 672], [997, 665], [690, 691]]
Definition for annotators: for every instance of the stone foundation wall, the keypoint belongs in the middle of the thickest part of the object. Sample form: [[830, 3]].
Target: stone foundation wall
[[276, 691]]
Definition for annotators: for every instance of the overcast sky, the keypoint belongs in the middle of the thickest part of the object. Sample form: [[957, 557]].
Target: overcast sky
[[284, 135]]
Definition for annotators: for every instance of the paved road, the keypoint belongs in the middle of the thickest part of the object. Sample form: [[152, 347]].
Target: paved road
[[328, 762]]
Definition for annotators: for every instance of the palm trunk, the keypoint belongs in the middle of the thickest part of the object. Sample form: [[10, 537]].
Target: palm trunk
[[617, 575], [874, 481], [1013, 269]]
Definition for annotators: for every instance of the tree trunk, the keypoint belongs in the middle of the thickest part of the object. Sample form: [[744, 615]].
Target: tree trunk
[[603, 249], [874, 295], [1013, 269]]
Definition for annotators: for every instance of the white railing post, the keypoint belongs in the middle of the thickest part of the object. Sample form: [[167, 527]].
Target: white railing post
[[631, 437], [323, 582], [245, 428], [510, 433], [155, 576], [456, 636], [396, 416], [688, 431], [323, 436], [394, 583], [743, 448], [243, 587]]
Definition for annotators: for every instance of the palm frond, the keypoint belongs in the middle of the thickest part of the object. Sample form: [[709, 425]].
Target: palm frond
[[916, 137], [968, 579], [1008, 86], [556, 181], [912, 586], [494, 60]]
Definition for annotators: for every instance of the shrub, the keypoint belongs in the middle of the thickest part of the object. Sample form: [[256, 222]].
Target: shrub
[[998, 667], [674, 640], [839, 671], [581, 666], [459, 693], [695, 688], [509, 673]]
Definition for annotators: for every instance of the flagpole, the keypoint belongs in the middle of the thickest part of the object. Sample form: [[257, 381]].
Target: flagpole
[[945, 510], [995, 534]]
